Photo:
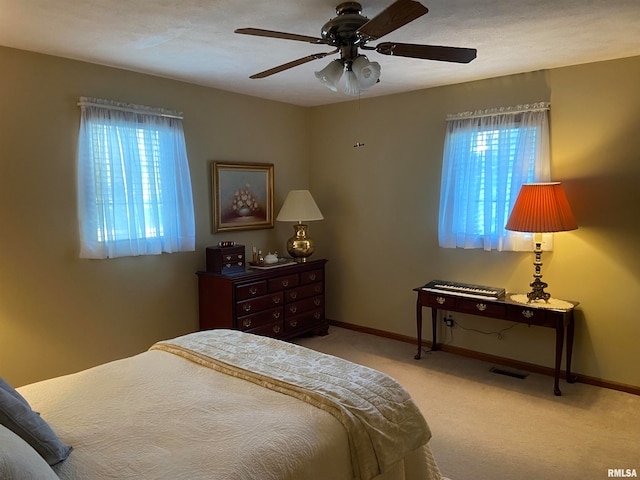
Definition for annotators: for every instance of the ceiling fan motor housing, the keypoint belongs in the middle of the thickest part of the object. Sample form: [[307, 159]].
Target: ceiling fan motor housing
[[341, 31]]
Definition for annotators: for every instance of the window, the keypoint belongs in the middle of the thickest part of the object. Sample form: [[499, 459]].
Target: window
[[487, 157], [134, 186]]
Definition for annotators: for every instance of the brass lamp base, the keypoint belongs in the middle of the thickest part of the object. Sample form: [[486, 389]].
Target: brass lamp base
[[538, 286], [300, 246], [538, 292]]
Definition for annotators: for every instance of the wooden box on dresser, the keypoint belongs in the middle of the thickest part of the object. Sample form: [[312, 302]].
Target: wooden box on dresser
[[281, 302]]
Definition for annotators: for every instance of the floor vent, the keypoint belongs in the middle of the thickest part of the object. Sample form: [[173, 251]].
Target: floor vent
[[508, 373]]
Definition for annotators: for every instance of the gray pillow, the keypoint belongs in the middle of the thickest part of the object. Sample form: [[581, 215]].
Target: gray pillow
[[4, 385], [17, 416], [18, 461]]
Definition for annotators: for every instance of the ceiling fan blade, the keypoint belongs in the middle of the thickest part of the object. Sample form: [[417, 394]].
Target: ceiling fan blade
[[393, 17], [292, 64], [273, 34], [427, 52]]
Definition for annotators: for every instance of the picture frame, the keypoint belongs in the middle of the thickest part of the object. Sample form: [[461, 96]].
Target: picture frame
[[242, 196]]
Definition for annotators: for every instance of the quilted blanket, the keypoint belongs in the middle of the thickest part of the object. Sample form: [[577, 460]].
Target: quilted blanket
[[382, 422]]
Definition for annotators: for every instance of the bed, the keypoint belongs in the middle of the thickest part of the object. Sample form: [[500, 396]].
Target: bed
[[222, 404]]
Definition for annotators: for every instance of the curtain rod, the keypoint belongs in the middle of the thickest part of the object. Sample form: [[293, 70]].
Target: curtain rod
[[494, 112], [109, 105]]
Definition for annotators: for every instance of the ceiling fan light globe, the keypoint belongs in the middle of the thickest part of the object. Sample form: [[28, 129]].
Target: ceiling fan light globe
[[330, 75], [366, 72], [350, 85]]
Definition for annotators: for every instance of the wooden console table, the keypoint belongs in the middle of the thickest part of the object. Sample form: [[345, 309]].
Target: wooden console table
[[503, 309]]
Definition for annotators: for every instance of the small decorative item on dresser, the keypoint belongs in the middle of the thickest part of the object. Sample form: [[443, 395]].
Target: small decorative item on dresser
[[226, 260], [271, 258], [227, 243]]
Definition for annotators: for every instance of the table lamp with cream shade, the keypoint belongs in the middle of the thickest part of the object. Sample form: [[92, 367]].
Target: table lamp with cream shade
[[541, 208], [299, 206]]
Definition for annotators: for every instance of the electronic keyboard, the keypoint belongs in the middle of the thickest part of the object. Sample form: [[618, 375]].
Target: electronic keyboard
[[464, 289]]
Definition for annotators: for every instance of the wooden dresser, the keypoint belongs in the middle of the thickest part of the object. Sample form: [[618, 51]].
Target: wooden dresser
[[282, 302]]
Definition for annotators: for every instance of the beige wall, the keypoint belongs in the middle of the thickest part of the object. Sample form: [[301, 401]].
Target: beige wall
[[59, 314], [381, 204]]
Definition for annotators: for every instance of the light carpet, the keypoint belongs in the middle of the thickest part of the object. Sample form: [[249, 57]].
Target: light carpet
[[494, 427]]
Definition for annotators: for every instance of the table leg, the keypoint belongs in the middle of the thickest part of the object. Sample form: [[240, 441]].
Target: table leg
[[434, 323], [559, 345], [419, 326], [570, 328]]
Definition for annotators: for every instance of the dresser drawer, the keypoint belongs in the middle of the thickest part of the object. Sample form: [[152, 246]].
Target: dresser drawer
[[311, 276], [304, 320], [301, 306], [251, 290], [280, 283], [480, 307], [273, 330], [248, 322], [254, 305], [304, 291]]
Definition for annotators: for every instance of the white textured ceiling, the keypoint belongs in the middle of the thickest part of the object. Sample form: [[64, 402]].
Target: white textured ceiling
[[194, 40]]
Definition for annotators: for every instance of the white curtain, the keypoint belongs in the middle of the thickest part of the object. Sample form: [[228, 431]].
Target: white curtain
[[134, 186], [488, 155]]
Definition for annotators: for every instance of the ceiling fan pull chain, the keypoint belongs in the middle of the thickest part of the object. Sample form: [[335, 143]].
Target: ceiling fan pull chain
[[359, 144]]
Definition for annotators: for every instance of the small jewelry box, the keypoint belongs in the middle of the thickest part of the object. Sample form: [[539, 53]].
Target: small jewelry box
[[226, 260]]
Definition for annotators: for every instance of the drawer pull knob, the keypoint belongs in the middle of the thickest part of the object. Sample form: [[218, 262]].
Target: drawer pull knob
[[293, 323], [240, 256], [276, 329], [481, 306], [440, 300], [318, 289], [253, 290], [246, 323], [246, 307], [312, 277], [275, 315], [276, 300], [293, 295], [527, 313], [228, 265], [316, 315], [317, 302], [239, 264], [285, 283], [293, 309], [228, 257]]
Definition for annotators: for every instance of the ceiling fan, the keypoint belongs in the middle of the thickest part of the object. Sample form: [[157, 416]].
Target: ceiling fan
[[350, 31]]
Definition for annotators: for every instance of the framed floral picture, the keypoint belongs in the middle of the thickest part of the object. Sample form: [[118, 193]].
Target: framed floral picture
[[242, 196]]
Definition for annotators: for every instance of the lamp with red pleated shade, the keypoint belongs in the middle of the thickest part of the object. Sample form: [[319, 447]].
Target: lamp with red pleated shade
[[541, 208]]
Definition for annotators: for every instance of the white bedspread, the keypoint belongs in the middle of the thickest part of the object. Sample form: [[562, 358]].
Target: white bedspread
[[159, 416], [382, 421]]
